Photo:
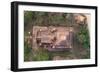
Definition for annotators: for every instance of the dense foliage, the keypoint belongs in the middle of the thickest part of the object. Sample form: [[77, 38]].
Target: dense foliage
[[27, 52], [83, 37], [41, 55], [47, 19]]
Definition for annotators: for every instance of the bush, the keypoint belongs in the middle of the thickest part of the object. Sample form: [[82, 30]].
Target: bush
[[27, 52], [41, 55], [83, 37]]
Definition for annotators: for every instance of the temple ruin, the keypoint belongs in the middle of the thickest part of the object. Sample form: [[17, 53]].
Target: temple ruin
[[52, 38]]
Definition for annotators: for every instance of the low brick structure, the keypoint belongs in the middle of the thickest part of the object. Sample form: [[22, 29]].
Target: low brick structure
[[52, 38]]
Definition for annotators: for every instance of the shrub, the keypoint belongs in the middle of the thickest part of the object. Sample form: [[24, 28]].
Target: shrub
[[41, 55], [83, 37], [27, 52]]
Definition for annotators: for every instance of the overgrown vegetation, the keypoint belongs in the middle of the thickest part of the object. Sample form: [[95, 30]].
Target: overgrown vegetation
[[41, 55], [27, 52], [52, 19], [83, 37], [46, 19]]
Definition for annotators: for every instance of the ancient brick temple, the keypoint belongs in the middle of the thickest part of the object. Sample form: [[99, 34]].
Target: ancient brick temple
[[52, 38]]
